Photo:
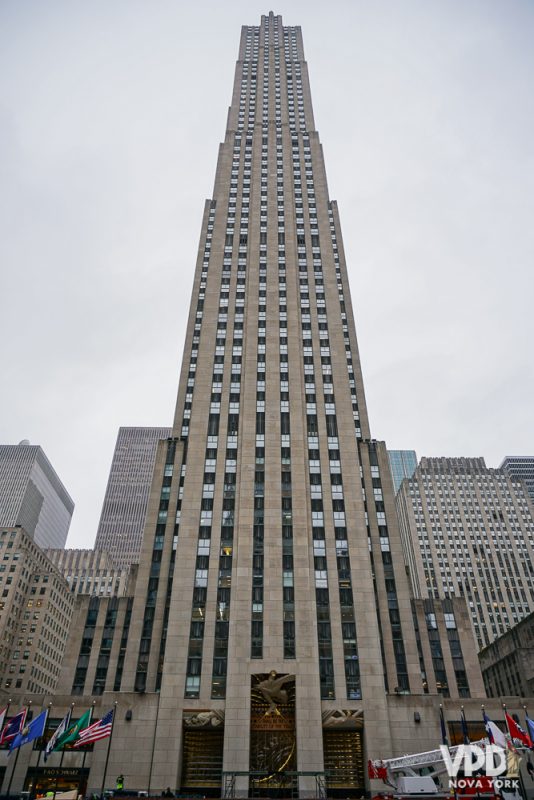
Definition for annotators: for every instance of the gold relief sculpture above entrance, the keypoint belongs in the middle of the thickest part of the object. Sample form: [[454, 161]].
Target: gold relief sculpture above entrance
[[272, 730], [343, 719], [274, 690]]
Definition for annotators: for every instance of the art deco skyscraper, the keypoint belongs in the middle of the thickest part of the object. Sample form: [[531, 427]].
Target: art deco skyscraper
[[272, 600]]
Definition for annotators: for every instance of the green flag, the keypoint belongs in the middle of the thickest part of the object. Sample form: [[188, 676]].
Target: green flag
[[73, 731]]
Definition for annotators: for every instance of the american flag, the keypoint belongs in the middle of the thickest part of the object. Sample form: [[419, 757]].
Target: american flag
[[98, 730]]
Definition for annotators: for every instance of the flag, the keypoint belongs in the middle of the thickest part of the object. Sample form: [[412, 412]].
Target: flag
[[14, 726], [34, 730], [53, 742], [376, 770], [495, 735], [517, 732], [98, 730], [3, 713], [73, 731], [443, 728], [465, 732], [530, 726]]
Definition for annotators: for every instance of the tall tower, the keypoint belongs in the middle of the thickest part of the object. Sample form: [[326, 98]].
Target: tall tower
[[272, 601], [32, 496], [120, 530]]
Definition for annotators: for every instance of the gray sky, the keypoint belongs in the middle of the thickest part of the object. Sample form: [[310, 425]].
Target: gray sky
[[110, 120]]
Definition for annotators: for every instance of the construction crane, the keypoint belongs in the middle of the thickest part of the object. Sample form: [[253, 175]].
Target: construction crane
[[403, 776]]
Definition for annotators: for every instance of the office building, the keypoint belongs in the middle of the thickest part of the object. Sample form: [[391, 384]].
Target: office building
[[468, 531], [120, 530], [32, 495], [271, 645], [272, 561], [403, 464], [35, 615], [522, 468]]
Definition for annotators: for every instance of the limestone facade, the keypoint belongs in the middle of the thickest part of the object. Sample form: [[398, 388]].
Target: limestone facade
[[35, 615], [468, 531]]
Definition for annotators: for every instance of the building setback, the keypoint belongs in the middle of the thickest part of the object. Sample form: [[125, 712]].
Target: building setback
[[32, 495], [521, 468], [120, 530], [468, 531], [98, 637], [91, 572]]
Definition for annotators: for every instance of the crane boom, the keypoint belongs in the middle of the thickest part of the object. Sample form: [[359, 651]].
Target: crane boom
[[415, 760]]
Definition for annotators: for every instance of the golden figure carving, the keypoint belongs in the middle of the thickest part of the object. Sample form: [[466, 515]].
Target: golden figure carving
[[271, 689], [272, 723]]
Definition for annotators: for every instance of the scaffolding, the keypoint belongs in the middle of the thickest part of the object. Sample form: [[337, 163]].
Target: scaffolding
[[283, 784]]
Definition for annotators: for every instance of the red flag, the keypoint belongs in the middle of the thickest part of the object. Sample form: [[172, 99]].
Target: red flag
[[516, 732], [376, 769]]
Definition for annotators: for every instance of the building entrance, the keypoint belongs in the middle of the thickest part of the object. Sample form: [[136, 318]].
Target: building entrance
[[41, 780], [273, 741]]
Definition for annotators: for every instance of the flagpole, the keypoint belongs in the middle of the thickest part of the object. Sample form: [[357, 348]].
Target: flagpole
[[465, 730], [66, 729], [514, 749], [90, 720], [17, 756], [44, 730], [6, 715], [153, 745], [529, 730], [506, 723], [13, 772], [109, 748], [444, 738], [63, 750]]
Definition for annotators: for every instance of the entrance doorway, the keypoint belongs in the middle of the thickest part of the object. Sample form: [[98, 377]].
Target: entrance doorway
[[40, 780]]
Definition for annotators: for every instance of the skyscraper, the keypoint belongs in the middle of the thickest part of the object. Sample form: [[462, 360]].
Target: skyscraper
[[272, 564], [403, 464], [270, 640], [120, 530], [522, 468], [32, 495], [469, 532]]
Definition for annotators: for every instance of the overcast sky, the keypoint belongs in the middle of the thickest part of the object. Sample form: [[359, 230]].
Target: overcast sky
[[110, 118]]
